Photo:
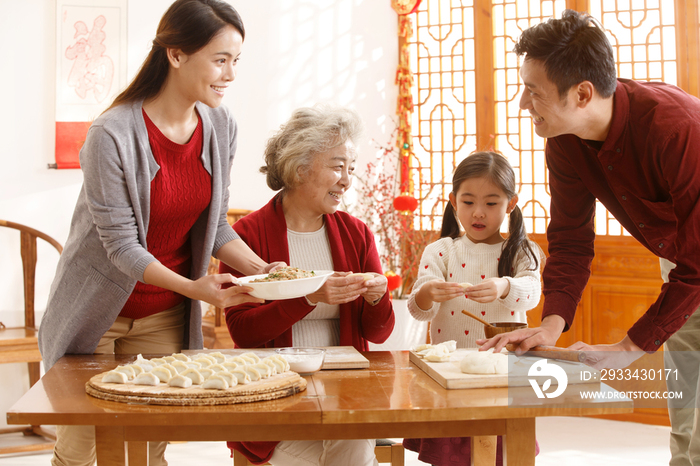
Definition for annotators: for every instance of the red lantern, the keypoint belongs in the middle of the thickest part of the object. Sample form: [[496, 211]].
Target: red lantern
[[393, 280], [405, 203]]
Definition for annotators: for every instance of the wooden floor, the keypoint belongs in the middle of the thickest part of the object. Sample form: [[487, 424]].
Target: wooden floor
[[563, 442]]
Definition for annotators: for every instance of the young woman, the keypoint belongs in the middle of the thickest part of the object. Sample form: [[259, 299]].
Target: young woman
[[152, 210], [502, 275]]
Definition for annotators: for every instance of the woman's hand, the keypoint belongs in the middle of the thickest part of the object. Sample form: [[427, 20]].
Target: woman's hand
[[437, 291], [271, 267], [376, 287], [340, 288], [489, 290], [210, 289]]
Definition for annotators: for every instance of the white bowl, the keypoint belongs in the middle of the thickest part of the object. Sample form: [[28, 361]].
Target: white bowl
[[285, 289], [304, 361]]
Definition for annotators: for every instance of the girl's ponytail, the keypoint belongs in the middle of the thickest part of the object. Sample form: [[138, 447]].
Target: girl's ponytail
[[450, 225], [517, 241]]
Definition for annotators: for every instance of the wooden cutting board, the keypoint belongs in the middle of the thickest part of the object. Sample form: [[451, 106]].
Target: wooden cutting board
[[450, 376], [344, 357]]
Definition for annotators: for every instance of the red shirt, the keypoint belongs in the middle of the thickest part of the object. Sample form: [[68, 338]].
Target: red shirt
[[180, 192], [647, 175]]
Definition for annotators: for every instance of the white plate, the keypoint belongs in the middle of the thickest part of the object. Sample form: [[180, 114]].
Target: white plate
[[285, 289]]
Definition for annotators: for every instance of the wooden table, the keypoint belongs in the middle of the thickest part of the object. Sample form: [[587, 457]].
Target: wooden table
[[393, 398]]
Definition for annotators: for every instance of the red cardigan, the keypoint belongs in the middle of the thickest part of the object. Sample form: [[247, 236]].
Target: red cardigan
[[270, 324]]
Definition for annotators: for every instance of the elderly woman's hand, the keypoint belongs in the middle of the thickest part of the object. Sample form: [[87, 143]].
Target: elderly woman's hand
[[376, 287], [340, 288]]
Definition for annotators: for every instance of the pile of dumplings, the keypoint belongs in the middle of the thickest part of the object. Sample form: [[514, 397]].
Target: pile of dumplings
[[214, 371], [436, 353]]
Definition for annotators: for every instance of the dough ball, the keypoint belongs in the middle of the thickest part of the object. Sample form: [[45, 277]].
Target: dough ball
[[482, 362]]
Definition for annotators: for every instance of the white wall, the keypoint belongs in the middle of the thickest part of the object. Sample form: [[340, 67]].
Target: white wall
[[296, 53]]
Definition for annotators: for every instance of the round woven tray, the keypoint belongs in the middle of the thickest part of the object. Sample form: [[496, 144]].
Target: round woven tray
[[277, 386]]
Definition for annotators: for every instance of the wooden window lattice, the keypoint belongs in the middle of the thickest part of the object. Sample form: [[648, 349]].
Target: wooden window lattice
[[466, 89]]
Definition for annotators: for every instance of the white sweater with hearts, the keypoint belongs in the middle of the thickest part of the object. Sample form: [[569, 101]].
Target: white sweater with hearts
[[460, 260]]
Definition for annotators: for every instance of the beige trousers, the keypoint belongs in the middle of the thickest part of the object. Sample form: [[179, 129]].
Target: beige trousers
[[682, 353], [324, 453], [160, 333]]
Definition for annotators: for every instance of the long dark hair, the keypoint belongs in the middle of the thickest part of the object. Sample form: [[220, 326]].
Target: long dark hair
[[573, 49], [188, 25], [496, 169]]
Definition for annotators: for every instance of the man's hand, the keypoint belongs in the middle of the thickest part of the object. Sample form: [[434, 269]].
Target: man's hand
[[615, 356], [546, 334]]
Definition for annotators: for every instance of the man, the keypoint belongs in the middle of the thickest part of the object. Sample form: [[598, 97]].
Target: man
[[634, 146]]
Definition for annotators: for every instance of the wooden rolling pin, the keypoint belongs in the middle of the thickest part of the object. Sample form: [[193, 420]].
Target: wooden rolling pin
[[552, 352]]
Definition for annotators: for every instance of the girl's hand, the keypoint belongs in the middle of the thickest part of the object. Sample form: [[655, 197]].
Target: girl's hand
[[437, 291], [489, 290], [210, 289], [340, 288], [376, 287]]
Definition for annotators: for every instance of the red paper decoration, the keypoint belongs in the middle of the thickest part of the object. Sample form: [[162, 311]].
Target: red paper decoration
[[393, 280], [405, 203]]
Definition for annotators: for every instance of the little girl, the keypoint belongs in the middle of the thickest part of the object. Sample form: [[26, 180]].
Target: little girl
[[474, 268]]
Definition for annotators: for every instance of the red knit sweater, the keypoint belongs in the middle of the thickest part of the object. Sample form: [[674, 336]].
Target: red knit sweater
[[180, 192]]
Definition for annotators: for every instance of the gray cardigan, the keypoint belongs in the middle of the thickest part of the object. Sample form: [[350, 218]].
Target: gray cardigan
[[105, 253]]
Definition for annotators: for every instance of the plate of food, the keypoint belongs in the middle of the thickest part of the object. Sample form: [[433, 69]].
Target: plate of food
[[285, 283]]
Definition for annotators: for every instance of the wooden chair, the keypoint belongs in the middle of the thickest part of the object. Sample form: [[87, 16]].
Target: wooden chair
[[19, 344], [386, 451], [214, 329]]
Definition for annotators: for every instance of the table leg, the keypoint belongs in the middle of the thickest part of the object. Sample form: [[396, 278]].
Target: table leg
[[519, 442], [484, 450], [111, 448], [138, 453]]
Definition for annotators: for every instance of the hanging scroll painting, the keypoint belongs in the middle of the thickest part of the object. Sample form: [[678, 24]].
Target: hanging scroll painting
[[91, 48]]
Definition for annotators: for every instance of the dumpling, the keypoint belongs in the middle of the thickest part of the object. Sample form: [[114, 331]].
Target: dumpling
[[230, 378], [145, 364], [252, 372], [158, 361], [127, 370], [169, 359], [180, 366], [204, 362], [450, 345], [137, 369], [264, 369], [162, 372], [114, 377], [437, 354], [180, 380], [230, 365], [239, 360], [241, 375], [205, 356], [193, 374], [276, 366], [279, 357], [216, 367], [218, 356], [171, 368], [146, 379], [206, 372], [215, 382], [181, 357], [193, 364], [252, 356]]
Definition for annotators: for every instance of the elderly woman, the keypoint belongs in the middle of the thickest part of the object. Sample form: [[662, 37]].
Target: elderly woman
[[310, 161]]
